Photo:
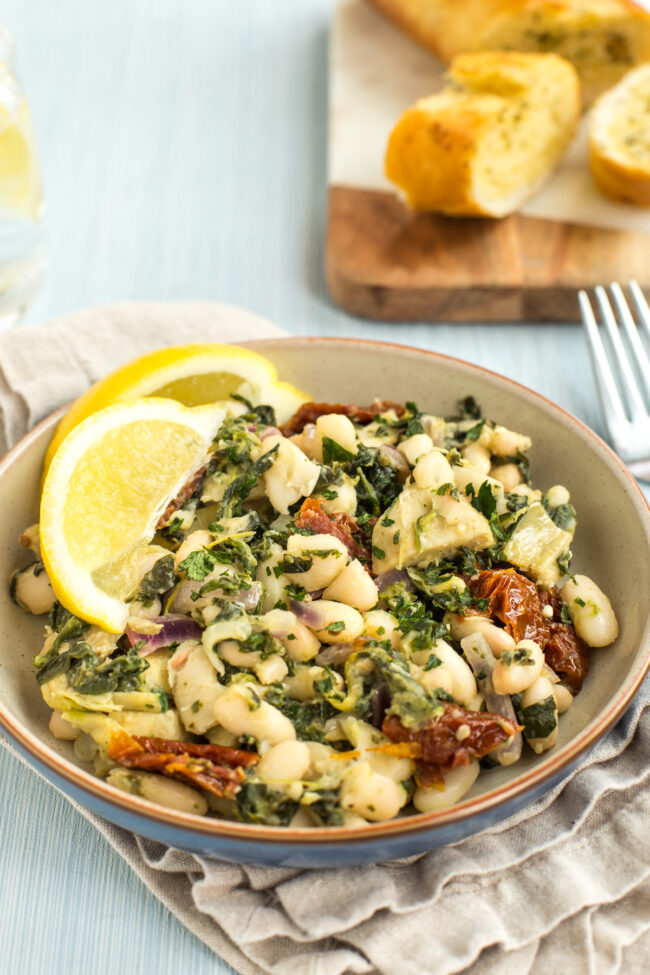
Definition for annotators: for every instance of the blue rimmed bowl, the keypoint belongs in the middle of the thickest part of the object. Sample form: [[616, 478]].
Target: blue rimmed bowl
[[612, 545]]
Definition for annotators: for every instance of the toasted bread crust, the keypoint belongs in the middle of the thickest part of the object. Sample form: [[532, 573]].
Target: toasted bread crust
[[617, 171], [617, 30], [441, 155]]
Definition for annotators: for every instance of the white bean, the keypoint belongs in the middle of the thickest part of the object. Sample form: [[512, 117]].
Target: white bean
[[333, 615], [518, 669], [541, 690], [271, 669], [337, 427], [507, 443], [301, 683], [155, 788], [508, 475], [324, 568], [563, 697], [476, 456], [61, 728], [285, 761], [378, 624], [457, 782], [354, 587], [242, 711], [496, 638], [435, 426], [463, 683], [291, 476], [416, 447], [365, 737], [345, 500], [557, 495], [434, 679], [590, 611], [373, 796], [30, 588], [265, 573], [298, 641], [433, 470]]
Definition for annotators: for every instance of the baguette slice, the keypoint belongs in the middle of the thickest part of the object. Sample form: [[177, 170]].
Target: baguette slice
[[602, 38], [619, 139], [490, 138]]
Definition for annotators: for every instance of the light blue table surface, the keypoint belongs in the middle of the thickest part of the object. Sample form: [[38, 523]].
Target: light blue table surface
[[183, 144]]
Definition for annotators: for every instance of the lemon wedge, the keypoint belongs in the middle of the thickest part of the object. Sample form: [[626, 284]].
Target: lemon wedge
[[20, 180], [104, 492], [190, 374]]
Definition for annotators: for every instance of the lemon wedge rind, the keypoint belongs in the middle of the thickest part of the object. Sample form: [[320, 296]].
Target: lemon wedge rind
[[104, 493]]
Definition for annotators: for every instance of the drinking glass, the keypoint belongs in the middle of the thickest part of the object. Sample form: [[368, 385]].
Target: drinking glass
[[22, 251]]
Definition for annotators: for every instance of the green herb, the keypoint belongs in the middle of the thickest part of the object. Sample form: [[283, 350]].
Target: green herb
[[68, 628], [296, 592], [293, 563], [160, 577], [333, 452], [328, 494], [257, 803], [469, 408], [386, 520], [327, 808], [432, 662], [475, 432], [539, 719], [337, 627], [308, 717], [579, 601], [239, 489], [378, 553], [564, 563], [564, 517]]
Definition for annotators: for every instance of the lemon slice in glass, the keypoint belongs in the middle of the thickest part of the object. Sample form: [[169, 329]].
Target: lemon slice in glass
[[105, 490], [190, 374], [20, 181]]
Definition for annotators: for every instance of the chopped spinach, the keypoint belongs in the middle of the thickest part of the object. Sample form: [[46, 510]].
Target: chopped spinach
[[158, 579], [258, 803]]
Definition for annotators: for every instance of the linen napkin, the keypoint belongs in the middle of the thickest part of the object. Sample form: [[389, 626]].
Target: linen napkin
[[564, 885]]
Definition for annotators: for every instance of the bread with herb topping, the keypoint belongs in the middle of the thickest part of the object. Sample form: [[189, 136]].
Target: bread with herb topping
[[619, 139], [602, 38], [490, 138]]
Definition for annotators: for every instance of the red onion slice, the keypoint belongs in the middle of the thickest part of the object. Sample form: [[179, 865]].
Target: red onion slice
[[174, 629], [269, 432], [482, 661], [308, 613], [335, 654], [393, 576], [395, 458]]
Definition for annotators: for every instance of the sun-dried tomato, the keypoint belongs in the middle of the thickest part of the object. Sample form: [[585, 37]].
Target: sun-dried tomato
[[341, 526], [183, 496], [552, 598], [567, 655], [441, 749], [220, 754], [518, 603], [514, 600], [309, 413], [183, 760]]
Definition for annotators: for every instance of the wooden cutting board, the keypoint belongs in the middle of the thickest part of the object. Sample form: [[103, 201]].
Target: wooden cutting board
[[385, 262]]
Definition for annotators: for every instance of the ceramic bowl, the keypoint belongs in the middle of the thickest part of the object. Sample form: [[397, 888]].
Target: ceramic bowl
[[612, 545]]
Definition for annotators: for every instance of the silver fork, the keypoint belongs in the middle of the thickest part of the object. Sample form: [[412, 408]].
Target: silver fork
[[624, 405]]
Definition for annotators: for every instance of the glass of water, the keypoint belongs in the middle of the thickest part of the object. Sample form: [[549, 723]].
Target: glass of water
[[22, 251]]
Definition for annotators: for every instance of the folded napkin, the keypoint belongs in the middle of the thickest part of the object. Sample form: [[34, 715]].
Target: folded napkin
[[562, 886]]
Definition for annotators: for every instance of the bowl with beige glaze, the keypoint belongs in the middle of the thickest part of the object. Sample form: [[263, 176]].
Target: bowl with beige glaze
[[612, 545]]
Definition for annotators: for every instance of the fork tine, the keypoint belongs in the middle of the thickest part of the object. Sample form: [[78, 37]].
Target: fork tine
[[633, 334], [602, 368], [641, 304], [635, 401]]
